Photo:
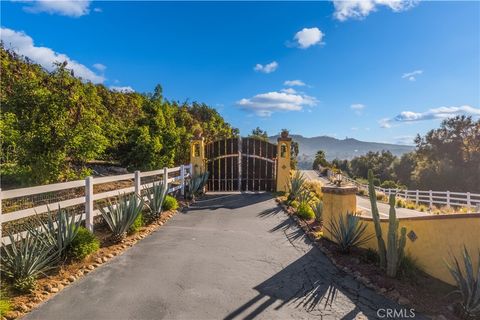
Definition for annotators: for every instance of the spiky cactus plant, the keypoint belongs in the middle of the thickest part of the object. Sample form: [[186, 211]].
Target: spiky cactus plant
[[382, 251], [396, 244]]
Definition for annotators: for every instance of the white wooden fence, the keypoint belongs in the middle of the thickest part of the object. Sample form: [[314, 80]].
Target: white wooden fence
[[179, 175], [429, 197]]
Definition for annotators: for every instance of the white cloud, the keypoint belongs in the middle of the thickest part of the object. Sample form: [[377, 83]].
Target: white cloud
[[294, 83], [432, 114], [358, 108], [126, 89], [265, 104], [268, 68], [100, 67], [71, 8], [23, 45], [308, 37], [412, 76], [289, 90], [358, 9]]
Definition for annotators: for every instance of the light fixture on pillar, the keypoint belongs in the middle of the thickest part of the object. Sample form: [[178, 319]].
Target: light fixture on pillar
[[338, 179]]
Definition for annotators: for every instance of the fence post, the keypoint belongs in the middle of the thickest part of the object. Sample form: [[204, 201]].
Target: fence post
[[431, 199], [448, 199], [416, 197], [182, 179], [138, 183], [469, 203], [165, 178], [89, 203]]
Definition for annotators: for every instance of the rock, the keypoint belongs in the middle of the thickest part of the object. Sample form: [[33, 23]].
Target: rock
[[90, 267], [60, 286], [99, 260], [23, 308], [394, 295], [110, 255], [79, 274], [54, 290], [403, 301], [71, 278], [105, 259], [31, 305], [11, 315], [382, 290], [47, 287]]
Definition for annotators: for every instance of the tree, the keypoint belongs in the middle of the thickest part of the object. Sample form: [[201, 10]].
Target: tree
[[259, 134], [404, 169], [320, 160]]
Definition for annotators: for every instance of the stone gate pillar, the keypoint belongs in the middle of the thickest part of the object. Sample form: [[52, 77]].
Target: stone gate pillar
[[197, 155], [337, 201], [283, 161]]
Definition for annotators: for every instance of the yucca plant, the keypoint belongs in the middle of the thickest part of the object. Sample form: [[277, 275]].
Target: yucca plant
[[296, 185], [155, 197], [59, 229], [318, 210], [195, 187], [25, 258], [468, 285], [121, 215], [305, 197], [348, 231]]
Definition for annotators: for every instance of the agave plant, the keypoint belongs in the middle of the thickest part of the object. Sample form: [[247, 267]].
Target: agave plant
[[296, 186], [318, 210], [468, 285], [348, 231], [25, 258], [58, 229], [121, 215], [196, 185], [155, 197]]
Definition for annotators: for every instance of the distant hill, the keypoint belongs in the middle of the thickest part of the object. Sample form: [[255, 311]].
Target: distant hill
[[341, 149]]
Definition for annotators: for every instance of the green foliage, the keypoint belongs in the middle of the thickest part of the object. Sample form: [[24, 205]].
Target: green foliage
[[58, 229], [408, 269], [137, 224], [396, 243], [195, 187], [296, 186], [121, 215], [170, 203], [467, 280], [401, 203], [320, 159], [5, 304], [259, 134], [318, 211], [155, 197], [84, 244], [389, 184], [26, 258], [53, 124], [348, 231], [305, 211]]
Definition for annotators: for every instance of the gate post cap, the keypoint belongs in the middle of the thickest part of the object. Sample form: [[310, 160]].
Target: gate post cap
[[343, 190], [284, 139]]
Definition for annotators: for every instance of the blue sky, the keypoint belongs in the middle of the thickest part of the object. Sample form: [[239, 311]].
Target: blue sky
[[373, 70]]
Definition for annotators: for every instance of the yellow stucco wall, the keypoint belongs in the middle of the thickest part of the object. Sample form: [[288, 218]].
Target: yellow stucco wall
[[438, 236], [283, 163]]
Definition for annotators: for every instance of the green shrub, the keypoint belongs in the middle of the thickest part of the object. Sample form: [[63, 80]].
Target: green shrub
[[410, 205], [170, 203], [348, 231], [422, 208], [137, 224], [306, 212], [388, 184], [400, 203], [408, 268], [5, 305], [362, 192], [295, 204], [467, 280], [371, 255], [84, 244], [380, 196]]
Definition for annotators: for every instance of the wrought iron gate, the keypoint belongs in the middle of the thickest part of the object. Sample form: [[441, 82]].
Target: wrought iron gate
[[241, 164]]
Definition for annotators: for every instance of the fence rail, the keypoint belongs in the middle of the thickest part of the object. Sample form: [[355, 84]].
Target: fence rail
[[26, 202], [447, 198]]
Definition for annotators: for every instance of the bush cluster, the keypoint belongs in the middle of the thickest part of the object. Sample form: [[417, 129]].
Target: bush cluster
[[170, 203], [84, 244]]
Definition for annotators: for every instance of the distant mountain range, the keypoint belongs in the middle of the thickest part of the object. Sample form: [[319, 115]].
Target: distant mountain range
[[342, 149]]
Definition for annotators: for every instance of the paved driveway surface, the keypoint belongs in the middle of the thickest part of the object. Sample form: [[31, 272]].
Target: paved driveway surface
[[228, 257]]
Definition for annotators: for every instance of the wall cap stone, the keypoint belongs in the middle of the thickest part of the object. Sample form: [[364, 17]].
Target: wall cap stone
[[343, 190]]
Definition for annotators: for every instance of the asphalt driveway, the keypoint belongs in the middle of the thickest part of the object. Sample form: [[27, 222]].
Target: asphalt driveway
[[231, 256]]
